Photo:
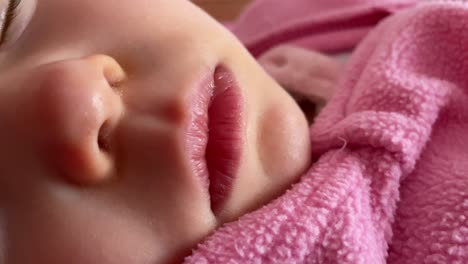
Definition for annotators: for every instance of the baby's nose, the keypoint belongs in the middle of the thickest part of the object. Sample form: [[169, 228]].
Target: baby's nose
[[79, 105]]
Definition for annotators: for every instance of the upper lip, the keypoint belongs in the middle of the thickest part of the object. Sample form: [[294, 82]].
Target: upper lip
[[214, 135]]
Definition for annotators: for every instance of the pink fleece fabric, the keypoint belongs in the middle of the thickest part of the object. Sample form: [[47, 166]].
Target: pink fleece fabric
[[390, 181], [326, 25]]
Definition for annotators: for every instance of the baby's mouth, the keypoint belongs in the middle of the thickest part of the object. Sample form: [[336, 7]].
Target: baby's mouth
[[215, 135]]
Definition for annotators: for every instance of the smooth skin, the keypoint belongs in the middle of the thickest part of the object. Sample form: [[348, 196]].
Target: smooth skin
[[94, 106]]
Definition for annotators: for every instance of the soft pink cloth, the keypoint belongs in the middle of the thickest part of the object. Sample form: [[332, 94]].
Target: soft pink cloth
[[391, 180], [307, 74], [326, 25]]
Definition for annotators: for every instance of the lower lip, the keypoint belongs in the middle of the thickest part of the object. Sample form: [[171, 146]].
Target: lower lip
[[214, 137]]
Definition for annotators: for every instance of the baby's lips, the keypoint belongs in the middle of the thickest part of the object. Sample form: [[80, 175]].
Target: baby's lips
[[78, 109]]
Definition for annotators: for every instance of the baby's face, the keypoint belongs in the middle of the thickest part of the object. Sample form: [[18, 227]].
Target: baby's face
[[130, 130]]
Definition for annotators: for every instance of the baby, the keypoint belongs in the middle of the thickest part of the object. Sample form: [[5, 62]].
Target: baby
[[133, 129]]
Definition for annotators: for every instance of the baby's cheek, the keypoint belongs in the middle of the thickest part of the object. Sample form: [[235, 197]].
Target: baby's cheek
[[285, 143], [73, 230]]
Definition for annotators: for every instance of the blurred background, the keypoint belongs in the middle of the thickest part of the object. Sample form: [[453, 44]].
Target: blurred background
[[223, 9]]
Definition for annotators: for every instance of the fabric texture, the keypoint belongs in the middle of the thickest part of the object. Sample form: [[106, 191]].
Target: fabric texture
[[307, 74], [390, 181], [315, 24]]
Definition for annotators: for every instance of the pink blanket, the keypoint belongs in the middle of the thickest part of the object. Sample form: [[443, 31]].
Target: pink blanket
[[390, 184]]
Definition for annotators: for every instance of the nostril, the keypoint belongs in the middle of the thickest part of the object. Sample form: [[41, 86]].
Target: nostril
[[104, 137], [116, 85], [115, 80], [112, 70]]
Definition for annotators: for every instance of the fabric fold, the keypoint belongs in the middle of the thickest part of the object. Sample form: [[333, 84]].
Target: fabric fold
[[320, 25]]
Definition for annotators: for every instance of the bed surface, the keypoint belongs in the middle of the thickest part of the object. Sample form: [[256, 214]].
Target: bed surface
[[222, 9]]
